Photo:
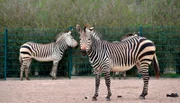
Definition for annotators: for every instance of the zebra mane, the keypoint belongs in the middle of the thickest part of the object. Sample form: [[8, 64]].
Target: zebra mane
[[128, 36], [59, 35]]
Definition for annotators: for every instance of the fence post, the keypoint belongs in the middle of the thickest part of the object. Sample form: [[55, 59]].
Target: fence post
[[5, 51], [70, 58], [140, 30]]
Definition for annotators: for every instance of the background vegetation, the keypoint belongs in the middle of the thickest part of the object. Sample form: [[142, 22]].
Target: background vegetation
[[62, 13]]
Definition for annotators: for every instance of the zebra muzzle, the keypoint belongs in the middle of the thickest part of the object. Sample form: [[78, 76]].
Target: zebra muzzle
[[76, 46], [83, 52]]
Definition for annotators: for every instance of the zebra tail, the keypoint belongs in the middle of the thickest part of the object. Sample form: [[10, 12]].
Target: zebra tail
[[155, 65]]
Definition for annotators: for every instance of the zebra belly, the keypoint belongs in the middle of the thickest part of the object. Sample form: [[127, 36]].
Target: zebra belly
[[43, 59], [121, 68]]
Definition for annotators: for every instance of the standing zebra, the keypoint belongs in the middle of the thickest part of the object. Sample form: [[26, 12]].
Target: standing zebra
[[45, 52], [106, 56]]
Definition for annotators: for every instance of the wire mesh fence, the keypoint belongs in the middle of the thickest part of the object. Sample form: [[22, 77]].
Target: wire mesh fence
[[166, 39]]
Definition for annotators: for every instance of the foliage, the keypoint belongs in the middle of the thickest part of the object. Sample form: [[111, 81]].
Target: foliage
[[111, 13]]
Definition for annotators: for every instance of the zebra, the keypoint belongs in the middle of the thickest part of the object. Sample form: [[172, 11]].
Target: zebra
[[106, 56], [45, 52]]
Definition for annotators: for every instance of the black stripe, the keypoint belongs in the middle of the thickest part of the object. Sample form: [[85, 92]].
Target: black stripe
[[144, 46], [135, 49], [146, 60], [146, 53], [26, 53], [24, 46]]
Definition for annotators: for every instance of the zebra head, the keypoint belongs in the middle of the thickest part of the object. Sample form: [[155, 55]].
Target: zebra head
[[68, 38], [85, 38]]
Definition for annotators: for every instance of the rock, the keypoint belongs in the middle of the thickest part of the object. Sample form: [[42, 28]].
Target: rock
[[86, 97], [119, 96]]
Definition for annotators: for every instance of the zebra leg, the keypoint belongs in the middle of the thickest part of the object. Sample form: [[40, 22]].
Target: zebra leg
[[139, 69], [22, 71], [23, 67], [145, 76], [108, 83], [114, 75], [124, 75], [27, 69], [26, 73], [97, 82], [54, 70]]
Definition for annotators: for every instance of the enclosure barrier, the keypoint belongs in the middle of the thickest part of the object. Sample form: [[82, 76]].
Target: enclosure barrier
[[166, 39]]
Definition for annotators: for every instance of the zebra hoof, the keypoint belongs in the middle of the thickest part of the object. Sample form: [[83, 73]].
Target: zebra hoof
[[53, 78], [142, 97], [27, 79], [108, 99], [94, 99]]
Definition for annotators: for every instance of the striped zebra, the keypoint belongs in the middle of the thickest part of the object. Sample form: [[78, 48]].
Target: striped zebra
[[105, 56], [45, 52]]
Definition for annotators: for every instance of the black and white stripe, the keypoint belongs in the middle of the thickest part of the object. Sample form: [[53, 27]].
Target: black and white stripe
[[45, 52], [123, 38], [106, 56]]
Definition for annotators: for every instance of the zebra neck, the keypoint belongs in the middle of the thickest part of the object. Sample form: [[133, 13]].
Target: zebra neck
[[95, 36], [96, 49], [61, 45], [93, 55]]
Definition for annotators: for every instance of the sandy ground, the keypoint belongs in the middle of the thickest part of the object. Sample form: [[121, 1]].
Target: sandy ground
[[81, 90]]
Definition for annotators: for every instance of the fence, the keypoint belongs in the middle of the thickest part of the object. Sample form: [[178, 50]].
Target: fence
[[2, 73], [166, 39]]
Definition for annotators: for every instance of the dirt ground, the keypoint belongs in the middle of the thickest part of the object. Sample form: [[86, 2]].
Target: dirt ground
[[81, 90]]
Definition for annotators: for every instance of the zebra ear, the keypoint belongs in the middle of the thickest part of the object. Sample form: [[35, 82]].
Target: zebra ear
[[91, 28], [78, 28], [70, 31]]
